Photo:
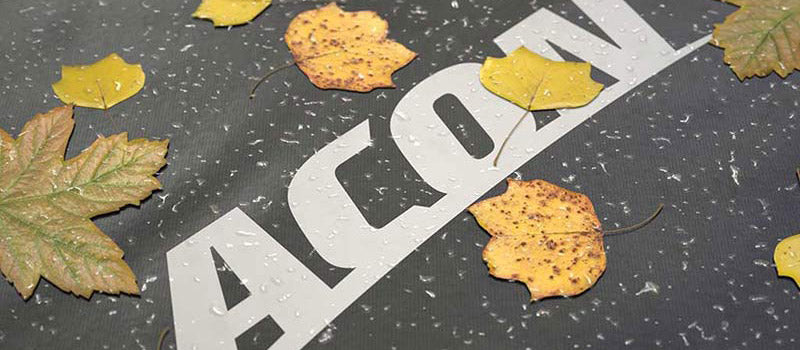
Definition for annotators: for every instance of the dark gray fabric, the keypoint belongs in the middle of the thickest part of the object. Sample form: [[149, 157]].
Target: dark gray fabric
[[676, 139]]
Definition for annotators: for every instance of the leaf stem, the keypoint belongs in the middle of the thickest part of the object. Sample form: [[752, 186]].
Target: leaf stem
[[632, 228], [618, 231], [527, 110], [100, 90], [505, 141], [102, 97], [269, 74], [287, 65], [161, 337]]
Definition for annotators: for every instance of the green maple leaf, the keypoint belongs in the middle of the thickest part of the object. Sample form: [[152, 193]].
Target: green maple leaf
[[761, 37], [46, 205]]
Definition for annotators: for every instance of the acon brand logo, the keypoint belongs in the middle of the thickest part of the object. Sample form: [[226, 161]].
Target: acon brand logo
[[302, 304]]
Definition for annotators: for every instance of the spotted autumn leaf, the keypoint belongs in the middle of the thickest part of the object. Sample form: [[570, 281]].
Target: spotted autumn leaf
[[101, 84], [761, 37], [46, 205], [338, 49], [544, 236]]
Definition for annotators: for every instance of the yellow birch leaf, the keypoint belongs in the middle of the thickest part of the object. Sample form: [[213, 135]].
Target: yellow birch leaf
[[338, 49], [536, 83], [101, 84], [230, 12], [787, 258], [544, 236]]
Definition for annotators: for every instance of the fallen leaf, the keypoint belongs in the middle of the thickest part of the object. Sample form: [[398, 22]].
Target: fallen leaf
[[761, 37], [536, 83], [544, 236], [787, 258], [344, 50], [46, 204], [230, 12], [101, 84]]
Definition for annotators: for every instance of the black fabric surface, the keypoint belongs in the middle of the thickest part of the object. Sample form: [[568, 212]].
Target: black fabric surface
[[674, 140]]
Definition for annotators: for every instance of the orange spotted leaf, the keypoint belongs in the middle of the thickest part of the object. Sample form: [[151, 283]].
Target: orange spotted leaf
[[344, 50], [544, 236]]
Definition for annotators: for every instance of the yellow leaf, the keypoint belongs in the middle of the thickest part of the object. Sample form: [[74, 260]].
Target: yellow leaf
[[344, 50], [787, 258], [101, 84], [230, 12], [544, 236], [523, 75]]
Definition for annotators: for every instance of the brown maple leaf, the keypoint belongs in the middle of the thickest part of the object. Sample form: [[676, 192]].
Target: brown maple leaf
[[761, 37], [46, 205]]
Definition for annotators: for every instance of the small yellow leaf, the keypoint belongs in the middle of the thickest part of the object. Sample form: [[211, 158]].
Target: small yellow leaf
[[544, 236], [523, 74], [787, 258], [338, 49], [101, 84], [230, 12]]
